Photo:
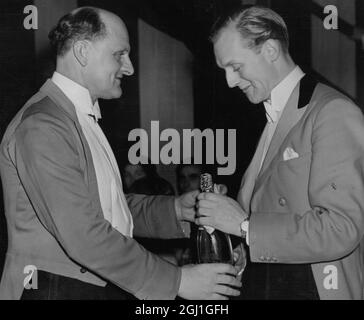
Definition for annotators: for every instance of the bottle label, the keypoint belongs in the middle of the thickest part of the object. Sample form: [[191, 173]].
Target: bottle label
[[210, 230]]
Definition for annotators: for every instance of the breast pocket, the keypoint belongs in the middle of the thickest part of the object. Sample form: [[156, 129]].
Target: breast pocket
[[295, 167]]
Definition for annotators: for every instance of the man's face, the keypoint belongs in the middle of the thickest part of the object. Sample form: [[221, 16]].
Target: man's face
[[189, 179], [108, 61], [245, 68]]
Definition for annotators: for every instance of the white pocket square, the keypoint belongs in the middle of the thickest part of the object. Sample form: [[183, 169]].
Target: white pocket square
[[290, 154]]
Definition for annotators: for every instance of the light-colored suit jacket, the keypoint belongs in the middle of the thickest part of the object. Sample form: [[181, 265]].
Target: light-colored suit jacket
[[53, 211], [309, 208]]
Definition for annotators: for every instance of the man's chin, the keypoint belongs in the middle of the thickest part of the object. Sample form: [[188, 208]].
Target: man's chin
[[113, 95], [254, 100]]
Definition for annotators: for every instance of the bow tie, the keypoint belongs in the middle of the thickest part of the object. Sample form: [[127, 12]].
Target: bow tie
[[96, 115], [270, 111], [93, 117]]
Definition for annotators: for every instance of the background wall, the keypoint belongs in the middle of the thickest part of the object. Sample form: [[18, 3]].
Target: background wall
[[334, 52], [165, 85]]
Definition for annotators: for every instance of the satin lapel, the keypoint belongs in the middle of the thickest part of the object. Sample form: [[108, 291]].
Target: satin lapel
[[288, 119], [292, 113], [250, 176]]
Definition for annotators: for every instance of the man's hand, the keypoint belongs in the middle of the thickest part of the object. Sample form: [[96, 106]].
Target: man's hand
[[209, 282], [240, 259], [186, 206], [220, 188], [220, 212], [186, 203]]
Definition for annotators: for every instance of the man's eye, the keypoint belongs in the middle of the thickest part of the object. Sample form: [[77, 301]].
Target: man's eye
[[236, 69], [118, 56]]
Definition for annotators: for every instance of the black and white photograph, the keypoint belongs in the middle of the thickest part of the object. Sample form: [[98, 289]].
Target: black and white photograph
[[182, 150]]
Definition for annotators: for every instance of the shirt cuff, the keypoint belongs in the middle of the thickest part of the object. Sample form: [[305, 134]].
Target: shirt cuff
[[247, 233], [185, 225]]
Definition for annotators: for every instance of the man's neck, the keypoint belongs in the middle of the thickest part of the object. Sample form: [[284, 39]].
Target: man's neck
[[284, 68], [73, 74]]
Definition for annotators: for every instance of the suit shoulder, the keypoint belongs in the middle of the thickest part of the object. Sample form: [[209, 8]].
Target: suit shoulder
[[45, 107], [328, 99], [44, 116]]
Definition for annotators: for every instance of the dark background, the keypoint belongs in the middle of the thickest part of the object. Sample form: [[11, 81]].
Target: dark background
[[215, 105]]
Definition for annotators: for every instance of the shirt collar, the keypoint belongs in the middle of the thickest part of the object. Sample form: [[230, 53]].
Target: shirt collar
[[281, 93], [78, 95]]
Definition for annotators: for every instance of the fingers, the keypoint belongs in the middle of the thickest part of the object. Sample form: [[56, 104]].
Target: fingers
[[223, 268], [216, 188], [241, 269], [227, 291], [236, 256], [206, 204], [225, 279], [216, 296], [208, 196], [240, 276], [223, 189], [203, 212], [203, 221], [194, 193], [220, 188]]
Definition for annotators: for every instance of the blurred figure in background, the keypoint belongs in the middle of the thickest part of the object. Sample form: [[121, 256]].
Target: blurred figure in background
[[188, 177], [131, 173], [144, 179]]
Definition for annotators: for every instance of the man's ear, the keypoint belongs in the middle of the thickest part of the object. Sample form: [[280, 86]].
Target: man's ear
[[81, 51], [272, 50]]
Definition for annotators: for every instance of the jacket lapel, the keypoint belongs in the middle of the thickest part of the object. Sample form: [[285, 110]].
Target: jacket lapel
[[289, 117], [51, 90], [292, 113], [249, 178]]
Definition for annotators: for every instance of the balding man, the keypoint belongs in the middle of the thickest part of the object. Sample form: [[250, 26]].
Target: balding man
[[66, 212]]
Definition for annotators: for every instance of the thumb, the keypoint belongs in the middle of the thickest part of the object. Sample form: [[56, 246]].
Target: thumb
[[195, 193]]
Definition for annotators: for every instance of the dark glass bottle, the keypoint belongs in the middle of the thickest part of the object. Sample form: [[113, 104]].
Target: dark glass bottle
[[213, 246]]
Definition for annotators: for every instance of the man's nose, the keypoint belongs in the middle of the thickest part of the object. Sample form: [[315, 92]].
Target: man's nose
[[127, 67], [232, 78]]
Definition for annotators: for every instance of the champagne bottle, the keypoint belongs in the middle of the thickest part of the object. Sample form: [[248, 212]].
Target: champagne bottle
[[213, 246]]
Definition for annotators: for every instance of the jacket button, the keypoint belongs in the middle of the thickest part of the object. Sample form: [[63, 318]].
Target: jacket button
[[83, 270], [282, 202]]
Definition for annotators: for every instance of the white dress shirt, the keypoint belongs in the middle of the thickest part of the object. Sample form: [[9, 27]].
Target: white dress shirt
[[278, 100], [112, 198]]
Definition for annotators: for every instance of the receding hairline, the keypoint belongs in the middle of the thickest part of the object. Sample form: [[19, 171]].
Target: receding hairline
[[108, 18]]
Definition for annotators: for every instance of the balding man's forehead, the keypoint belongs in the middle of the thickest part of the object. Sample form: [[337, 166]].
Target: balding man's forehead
[[114, 24], [82, 8], [109, 17]]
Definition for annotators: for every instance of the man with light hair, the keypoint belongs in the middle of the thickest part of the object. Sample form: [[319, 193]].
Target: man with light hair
[[300, 207]]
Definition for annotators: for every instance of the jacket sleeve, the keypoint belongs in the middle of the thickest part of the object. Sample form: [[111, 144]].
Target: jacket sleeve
[[334, 225], [154, 216], [48, 165]]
